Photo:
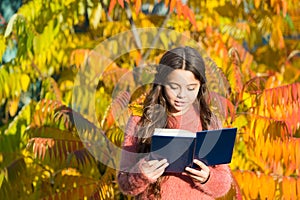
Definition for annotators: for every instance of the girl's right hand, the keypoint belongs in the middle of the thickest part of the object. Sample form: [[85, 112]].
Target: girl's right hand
[[153, 169]]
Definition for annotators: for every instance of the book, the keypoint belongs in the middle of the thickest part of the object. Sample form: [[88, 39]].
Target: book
[[180, 147]]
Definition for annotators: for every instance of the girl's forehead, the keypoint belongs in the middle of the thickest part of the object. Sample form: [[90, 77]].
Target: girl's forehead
[[182, 76]]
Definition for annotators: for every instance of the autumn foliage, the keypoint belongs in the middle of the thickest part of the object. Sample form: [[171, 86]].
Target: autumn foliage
[[49, 141]]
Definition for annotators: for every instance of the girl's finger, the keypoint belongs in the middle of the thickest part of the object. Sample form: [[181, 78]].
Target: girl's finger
[[201, 164], [200, 179], [200, 173], [156, 163], [157, 173], [154, 167]]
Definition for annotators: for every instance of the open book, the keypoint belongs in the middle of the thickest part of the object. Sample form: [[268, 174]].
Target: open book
[[180, 147]]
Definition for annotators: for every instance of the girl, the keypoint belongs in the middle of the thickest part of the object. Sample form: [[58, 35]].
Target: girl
[[176, 100]]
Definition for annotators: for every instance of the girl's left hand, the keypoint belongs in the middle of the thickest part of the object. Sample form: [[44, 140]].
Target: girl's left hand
[[201, 175]]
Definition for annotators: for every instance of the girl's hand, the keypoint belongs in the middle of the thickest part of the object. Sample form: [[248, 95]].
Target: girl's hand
[[201, 175], [153, 169]]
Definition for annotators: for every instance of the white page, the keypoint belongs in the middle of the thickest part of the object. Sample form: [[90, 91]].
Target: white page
[[173, 132]]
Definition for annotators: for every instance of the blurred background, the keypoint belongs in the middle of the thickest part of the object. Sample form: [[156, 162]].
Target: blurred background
[[49, 48]]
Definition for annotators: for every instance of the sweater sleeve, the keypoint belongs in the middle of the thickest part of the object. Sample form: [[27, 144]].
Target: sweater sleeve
[[130, 178], [219, 182]]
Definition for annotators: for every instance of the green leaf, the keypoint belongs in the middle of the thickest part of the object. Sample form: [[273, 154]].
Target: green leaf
[[290, 22]]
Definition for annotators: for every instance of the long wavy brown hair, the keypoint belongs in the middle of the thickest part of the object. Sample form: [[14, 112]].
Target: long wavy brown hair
[[156, 105]]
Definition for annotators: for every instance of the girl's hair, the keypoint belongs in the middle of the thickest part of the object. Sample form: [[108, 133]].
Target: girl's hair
[[156, 105]]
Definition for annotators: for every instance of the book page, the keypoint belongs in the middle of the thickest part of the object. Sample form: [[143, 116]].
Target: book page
[[173, 132]]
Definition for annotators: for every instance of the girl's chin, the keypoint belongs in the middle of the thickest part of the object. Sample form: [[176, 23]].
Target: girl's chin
[[177, 110]]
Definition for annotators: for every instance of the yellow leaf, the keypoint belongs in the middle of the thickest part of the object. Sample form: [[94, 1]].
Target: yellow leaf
[[240, 121], [6, 89], [96, 16], [25, 80], [66, 85], [247, 99], [2, 47], [256, 3], [70, 172], [136, 109], [164, 39], [13, 107]]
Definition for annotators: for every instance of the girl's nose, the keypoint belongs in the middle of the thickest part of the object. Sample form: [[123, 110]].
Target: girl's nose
[[181, 94]]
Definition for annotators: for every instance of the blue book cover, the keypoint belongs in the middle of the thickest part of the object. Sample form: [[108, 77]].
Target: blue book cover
[[180, 147]]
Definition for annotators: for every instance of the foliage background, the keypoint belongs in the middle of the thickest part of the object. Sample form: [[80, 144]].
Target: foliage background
[[255, 49]]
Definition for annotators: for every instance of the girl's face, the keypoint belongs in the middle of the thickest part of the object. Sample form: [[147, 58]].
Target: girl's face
[[181, 89]]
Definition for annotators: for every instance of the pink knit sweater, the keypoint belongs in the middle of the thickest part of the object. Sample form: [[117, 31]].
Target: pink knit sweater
[[133, 182]]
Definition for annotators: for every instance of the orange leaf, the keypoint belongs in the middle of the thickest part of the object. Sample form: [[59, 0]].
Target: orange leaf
[[298, 186], [172, 4], [277, 146], [111, 6], [277, 8], [138, 58], [138, 4], [267, 187], [284, 8], [115, 110], [121, 2], [179, 9], [167, 2], [35, 147], [235, 77], [188, 13], [297, 153], [246, 179], [41, 149], [253, 187], [293, 188]]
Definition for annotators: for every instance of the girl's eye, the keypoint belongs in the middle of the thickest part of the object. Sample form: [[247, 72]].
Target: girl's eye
[[191, 89], [174, 87]]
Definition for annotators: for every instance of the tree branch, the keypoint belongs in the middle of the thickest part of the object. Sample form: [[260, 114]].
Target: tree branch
[[146, 55], [133, 27], [106, 11]]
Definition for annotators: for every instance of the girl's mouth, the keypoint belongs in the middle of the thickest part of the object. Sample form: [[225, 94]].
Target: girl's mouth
[[179, 103]]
